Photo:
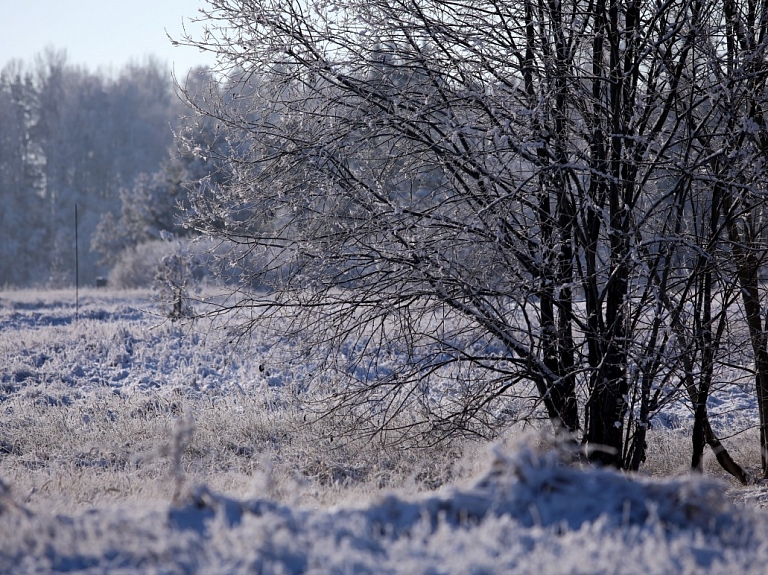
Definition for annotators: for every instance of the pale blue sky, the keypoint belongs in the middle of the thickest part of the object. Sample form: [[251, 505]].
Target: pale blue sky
[[99, 34]]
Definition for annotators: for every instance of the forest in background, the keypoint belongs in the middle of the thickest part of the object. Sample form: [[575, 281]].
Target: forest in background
[[70, 136]]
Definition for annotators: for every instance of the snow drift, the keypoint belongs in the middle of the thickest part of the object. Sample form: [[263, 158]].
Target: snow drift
[[528, 513]]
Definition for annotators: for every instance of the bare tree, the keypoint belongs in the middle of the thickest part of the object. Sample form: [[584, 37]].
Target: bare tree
[[497, 195]]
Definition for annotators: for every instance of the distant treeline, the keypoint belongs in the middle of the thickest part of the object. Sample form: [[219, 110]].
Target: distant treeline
[[69, 136]]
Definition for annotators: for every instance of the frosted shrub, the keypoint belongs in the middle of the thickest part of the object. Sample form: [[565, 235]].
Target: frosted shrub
[[137, 267], [172, 281]]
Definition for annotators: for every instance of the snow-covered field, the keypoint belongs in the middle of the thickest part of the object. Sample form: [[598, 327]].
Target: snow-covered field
[[130, 444]]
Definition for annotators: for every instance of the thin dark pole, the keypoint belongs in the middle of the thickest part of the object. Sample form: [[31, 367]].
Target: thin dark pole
[[77, 272]]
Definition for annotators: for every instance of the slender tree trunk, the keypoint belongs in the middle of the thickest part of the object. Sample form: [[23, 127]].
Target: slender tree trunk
[[747, 268], [721, 453], [751, 299]]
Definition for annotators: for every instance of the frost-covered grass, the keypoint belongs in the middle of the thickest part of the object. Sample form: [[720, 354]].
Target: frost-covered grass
[[527, 513], [131, 443], [92, 407]]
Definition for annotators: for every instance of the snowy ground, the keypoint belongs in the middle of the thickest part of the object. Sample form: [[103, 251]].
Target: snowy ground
[[132, 445], [526, 515]]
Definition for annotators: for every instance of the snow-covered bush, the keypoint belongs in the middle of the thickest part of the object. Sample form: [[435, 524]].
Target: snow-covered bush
[[136, 267]]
